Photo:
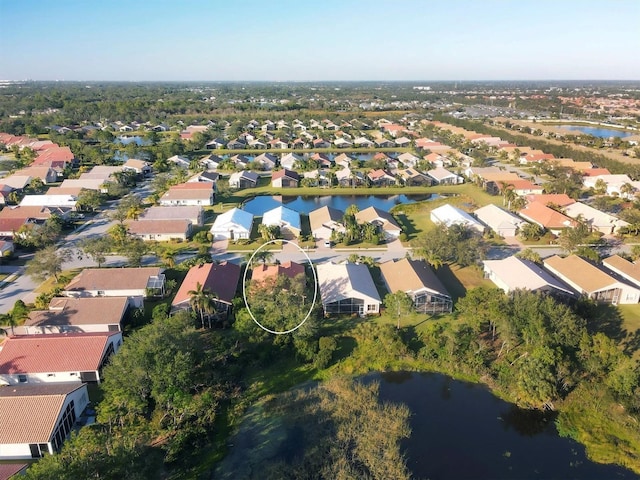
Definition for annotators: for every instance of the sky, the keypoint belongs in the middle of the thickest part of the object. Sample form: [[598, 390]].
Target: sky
[[319, 40]]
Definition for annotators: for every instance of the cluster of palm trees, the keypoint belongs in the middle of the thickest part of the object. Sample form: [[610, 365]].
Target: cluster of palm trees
[[205, 303]]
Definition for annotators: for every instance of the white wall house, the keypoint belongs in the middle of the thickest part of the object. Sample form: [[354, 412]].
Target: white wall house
[[232, 225], [49, 411], [504, 223], [449, 215], [347, 288]]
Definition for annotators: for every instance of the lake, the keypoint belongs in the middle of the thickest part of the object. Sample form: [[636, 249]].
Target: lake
[[260, 204], [133, 139], [461, 430], [597, 131]]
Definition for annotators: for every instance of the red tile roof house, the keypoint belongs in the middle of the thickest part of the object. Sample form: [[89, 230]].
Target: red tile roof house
[[221, 279], [190, 193], [133, 282], [160, 230], [381, 178], [76, 315], [36, 419], [269, 273], [547, 218], [56, 358], [285, 179]]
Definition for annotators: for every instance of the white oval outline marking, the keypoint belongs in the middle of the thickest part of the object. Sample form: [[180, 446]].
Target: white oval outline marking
[[244, 288]]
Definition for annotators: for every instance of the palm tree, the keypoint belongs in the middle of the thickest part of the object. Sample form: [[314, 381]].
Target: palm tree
[[201, 301]]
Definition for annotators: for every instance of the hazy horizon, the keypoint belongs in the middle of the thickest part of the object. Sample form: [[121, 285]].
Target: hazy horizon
[[327, 41]]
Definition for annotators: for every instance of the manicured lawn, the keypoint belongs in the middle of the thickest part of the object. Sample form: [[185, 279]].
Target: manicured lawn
[[457, 280]]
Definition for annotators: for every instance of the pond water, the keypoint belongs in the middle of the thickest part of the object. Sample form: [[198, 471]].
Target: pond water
[[259, 205], [460, 430], [597, 131], [132, 139]]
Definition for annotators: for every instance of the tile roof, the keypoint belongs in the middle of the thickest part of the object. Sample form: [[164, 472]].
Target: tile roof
[[285, 173], [18, 405], [523, 274], [80, 311], [560, 199], [160, 226], [261, 273], [545, 216], [626, 268], [53, 352], [221, 279]]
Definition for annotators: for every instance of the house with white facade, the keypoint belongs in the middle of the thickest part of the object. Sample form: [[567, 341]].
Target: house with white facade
[[591, 281], [189, 193], [38, 418], [347, 288], [243, 179], [383, 220], [504, 223], [450, 215], [194, 213], [596, 220], [136, 283], [324, 221], [160, 230], [513, 273], [234, 224], [56, 358], [442, 176], [288, 220], [622, 267]]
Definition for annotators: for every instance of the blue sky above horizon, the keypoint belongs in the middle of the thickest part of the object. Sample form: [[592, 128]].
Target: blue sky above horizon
[[286, 40]]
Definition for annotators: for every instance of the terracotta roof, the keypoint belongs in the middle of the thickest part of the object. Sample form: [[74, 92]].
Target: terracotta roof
[[17, 407], [221, 279], [560, 199], [26, 211], [8, 470], [80, 311], [55, 154], [285, 173], [264, 272], [132, 278], [594, 172], [11, 224], [580, 272], [53, 352], [547, 217], [410, 276]]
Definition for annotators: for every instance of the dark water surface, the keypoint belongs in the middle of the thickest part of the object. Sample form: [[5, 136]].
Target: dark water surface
[[461, 431], [259, 205]]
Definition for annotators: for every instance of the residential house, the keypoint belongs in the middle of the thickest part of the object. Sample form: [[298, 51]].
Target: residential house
[[236, 144], [450, 215], [136, 283], [596, 220], [412, 177], [180, 160], [348, 178], [520, 187], [288, 220], [37, 419], [416, 279], [384, 143], [194, 214], [207, 176], [17, 182], [244, 179], [619, 185], [56, 358], [266, 274], [290, 161], [61, 201], [257, 145], [622, 267], [380, 178], [220, 279], [76, 315], [324, 221], [211, 162], [504, 223], [215, 144], [278, 144], [267, 161], [140, 167], [160, 230], [556, 199], [442, 176], [55, 157], [5, 194], [190, 193], [347, 289], [9, 226], [402, 142], [591, 281], [234, 224], [45, 173], [363, 142], [343, 160], [96, 184], [547, 217], [383, 220], [321, 143], [285, 179], [408, 159], [341, 142], [513, 273]]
